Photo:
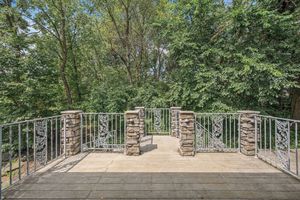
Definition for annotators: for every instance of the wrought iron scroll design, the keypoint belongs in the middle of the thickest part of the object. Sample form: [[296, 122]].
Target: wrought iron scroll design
[[41, 139], [216, 135], [200, 136], [103, 131], [157, 120], [282, 143]]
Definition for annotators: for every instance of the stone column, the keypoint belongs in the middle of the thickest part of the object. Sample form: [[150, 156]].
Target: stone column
[[132, 146], [71, 122], [247, 132], [175, 121], [187, 133], [142, 120]]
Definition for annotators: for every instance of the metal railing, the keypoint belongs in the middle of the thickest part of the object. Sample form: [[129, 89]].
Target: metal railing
[[27, 146], [102, 131], [157, 121], [277, 142], [217, 132]]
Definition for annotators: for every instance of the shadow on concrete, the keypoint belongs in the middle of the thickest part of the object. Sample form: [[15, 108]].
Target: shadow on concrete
[[148, 147], [106, 185]]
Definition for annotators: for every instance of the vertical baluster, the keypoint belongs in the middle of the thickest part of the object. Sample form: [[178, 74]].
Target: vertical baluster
[[27, 149], [260, 135], [111, 124], [94, 139], [239, 133], [255, 127], [19, 150], [1, 162], [234, 131], [230, 131], [51, 138], [265, 133], [86, 128], [34, 145], [270, 134], [81, 132], [60, 135], [46, 140], [289, 146], [56, 137], [208, 130], [10, 155], [90, 119], [205, 132], [296, 146], [226, 130], [116, 129], [275, 126]]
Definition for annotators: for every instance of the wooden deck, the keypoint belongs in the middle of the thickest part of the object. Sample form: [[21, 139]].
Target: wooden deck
[[160, 173]]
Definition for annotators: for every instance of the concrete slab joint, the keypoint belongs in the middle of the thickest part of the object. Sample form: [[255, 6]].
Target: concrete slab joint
[[175, 121], [247, 131], [132, 143], [71, 122], [187, 133]]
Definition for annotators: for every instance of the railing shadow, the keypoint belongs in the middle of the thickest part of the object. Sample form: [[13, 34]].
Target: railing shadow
[[147, 148]]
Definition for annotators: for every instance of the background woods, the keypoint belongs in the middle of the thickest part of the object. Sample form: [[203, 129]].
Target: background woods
[[113, 55]]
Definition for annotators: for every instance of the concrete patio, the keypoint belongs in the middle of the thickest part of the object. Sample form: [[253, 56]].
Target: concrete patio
[[159, 173]]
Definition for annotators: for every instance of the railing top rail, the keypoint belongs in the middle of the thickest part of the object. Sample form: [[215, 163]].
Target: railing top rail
[[29, 120], [156, 108], [229, 113], [96, 113], [279, 118]]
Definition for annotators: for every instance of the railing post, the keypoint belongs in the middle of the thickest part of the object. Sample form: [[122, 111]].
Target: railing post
[[70, 132], [132, 142], [248, 132], [175, 121], [187, 133], [142, 120]]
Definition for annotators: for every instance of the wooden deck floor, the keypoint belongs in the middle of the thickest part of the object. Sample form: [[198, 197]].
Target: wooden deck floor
[[158, 174]]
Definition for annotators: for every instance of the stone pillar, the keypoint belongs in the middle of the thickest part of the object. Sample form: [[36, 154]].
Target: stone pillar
[[132, 146], [175, 121], [70, 121], [187, 133], [142, 120], [247, 132]]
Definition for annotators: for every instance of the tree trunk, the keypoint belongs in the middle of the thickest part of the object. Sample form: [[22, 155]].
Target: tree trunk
[[296, 104], [64, 57]]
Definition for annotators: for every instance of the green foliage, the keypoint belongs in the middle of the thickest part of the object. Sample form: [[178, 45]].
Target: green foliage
[[115, 55]]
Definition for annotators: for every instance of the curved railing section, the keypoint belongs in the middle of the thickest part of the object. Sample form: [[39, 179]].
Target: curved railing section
[[277, 142], [27, 146]]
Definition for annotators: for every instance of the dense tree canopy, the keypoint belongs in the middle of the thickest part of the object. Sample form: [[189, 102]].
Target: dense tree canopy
[[112, 55]]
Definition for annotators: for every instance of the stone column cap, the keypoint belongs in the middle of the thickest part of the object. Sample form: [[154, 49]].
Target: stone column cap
[[139, 107], [186, 112], [71, 111], [248, 112], [175, 108], [132, 112]]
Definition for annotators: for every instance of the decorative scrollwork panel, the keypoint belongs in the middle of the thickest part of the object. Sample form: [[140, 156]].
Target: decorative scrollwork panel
[[157, 120], [41, 139], [216, 134], [282, 143]]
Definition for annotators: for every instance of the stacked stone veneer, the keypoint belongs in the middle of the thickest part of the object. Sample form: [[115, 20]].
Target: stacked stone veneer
[[247, 131], [72, 132], [132, 147], [175, 121], [187, 133], [142, 120]]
